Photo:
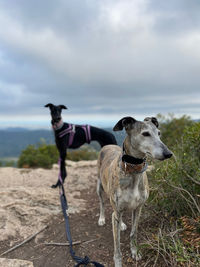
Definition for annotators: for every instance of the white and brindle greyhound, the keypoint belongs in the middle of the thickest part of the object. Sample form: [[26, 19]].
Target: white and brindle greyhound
[[121, 174]]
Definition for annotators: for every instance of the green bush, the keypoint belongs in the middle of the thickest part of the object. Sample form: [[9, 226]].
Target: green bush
[[82, 154], [10, 163], [176, 182], [38, 156], [43, 156], [174, 202], [172, 128]]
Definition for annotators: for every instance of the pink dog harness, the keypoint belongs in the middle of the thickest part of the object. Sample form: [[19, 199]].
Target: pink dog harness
[[71, 130]]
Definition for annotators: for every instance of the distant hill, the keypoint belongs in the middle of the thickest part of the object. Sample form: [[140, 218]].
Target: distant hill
[[14, 140], [15, 129]]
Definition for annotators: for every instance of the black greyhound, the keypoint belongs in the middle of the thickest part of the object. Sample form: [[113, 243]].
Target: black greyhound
[[73, 136]]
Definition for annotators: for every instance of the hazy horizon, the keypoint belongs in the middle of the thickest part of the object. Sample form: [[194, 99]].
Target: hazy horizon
[[98, 122]]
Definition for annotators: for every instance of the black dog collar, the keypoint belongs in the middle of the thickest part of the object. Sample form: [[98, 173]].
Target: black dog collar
[[131, 164]]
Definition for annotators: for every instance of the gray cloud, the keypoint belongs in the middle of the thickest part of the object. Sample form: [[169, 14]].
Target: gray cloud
[[175, 17], [100, 57]]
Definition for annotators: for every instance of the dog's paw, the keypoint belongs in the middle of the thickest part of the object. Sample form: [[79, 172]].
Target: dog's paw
[[123, 226], [136, 256], [56, 185], [118, 261], [101, 221]]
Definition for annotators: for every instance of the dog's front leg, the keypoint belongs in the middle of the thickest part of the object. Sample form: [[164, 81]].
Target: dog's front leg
[[116, 223], [62, 169], [133, 235]]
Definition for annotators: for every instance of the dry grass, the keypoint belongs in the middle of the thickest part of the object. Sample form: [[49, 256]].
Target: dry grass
[[170, 242]]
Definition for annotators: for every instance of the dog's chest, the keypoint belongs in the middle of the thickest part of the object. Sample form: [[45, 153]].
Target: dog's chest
[[131, 197]]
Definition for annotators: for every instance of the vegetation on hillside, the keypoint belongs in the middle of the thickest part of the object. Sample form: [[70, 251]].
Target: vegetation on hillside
[[8, 162], [175, 197], [172, 128], [86, 153], [44, 156], [176, 181]]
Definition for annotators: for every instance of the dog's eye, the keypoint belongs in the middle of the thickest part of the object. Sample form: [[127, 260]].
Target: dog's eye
[[146, 134], [159, 133]]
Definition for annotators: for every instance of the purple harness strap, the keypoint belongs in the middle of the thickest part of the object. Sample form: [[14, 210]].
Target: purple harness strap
[[71, 131], [86, 128]]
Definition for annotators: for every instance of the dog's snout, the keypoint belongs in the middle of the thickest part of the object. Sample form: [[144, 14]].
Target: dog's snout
[[57, 119], [168, 154]]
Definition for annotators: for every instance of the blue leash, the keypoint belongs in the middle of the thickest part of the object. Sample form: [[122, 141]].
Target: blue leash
[[80, 261]]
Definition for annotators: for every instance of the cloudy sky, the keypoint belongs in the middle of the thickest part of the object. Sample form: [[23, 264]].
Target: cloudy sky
[[103, 59]]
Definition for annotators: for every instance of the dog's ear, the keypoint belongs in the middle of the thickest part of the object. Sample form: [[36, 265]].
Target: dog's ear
[[48, 105], [126, 122], [62, 106], [153, 120]]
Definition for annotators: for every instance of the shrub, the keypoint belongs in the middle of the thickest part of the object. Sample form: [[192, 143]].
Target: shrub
[[6, 162], [44, 156], [10, 163], [82, 154], [172, 128], [174, 202], [176, 181], [38, 156]]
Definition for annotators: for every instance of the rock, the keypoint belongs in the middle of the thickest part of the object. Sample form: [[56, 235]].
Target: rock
[[78, 164], [15, 263], [55, 166], [82, 163]]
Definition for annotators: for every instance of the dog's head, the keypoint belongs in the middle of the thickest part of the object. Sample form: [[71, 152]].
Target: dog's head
[[143, 137], [55, 111]]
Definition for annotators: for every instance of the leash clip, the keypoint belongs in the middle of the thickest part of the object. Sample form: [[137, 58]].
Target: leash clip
[[125, 165]]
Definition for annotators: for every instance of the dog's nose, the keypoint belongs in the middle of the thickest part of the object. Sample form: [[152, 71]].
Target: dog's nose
[[168, 155]]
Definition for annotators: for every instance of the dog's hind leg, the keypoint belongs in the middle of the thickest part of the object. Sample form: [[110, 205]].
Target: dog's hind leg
[[101, 202], [133, 235], [123, 226]]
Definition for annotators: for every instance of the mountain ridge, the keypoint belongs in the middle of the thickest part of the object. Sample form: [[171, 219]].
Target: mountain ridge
[[14, 140]]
